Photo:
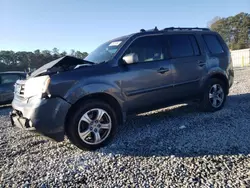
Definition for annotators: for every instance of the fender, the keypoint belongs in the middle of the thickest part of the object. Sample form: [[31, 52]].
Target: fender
[[214, 72], [79, 91]]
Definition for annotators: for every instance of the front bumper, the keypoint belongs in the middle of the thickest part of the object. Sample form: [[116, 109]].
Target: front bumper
[[46, 116]]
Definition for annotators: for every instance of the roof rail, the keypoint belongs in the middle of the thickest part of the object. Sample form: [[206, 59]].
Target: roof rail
[[185, 28], [155, 29]]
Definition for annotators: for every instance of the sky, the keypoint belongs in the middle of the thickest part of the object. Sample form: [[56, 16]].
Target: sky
[[27, 25]]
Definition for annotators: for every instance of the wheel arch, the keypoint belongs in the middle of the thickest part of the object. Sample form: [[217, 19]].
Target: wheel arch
[[105, 97], [220, 76]]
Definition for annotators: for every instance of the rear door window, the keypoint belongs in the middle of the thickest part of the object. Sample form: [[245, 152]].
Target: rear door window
[[213, 44], [182, 46]]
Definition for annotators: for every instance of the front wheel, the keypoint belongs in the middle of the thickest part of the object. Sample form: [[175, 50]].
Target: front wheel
[[92, 125], [214, 95]]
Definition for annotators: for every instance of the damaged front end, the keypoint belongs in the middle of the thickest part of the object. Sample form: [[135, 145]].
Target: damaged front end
[[35, 108], [65, 63]]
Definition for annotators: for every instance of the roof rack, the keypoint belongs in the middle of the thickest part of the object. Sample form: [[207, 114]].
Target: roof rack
[[185, 28], [155, 29]]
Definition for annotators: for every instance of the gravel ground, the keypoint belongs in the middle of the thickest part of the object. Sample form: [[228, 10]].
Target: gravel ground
[[173, 147]]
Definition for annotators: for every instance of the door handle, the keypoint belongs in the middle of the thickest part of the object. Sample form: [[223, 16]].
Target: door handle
[[162, 70], [201, 63]]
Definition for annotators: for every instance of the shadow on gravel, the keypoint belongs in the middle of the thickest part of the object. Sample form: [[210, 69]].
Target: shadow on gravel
[[186, 132]]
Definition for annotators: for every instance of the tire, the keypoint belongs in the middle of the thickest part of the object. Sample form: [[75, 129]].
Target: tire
[[209, 97], [89, 138]]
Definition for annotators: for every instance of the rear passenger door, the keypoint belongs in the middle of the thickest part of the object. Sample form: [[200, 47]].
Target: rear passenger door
[[188, 64]]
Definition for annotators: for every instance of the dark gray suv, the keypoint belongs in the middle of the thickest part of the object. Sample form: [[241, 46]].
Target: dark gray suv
[[87, 99]]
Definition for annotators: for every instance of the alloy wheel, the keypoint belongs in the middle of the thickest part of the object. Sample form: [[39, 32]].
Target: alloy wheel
[[216, 95], [94, 126]]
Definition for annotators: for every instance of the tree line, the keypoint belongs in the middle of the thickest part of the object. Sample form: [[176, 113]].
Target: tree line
[[27, 61], [235, 30]]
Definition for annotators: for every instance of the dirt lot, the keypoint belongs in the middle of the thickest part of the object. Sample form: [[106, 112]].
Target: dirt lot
[[174, 147]]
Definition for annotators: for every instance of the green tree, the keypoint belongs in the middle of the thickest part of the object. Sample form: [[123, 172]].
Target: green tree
[[80, 55], [63, 54], [234, 30], [8, 57], [55, 51], [72, 52], [26, 61]]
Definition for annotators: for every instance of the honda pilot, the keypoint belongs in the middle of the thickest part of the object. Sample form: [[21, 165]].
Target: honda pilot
[[87, 99]]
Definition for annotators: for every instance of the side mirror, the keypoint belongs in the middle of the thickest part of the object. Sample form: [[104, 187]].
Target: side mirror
[[130, 58]]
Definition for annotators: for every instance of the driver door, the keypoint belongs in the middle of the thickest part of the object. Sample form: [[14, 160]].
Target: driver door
[[148, 82]]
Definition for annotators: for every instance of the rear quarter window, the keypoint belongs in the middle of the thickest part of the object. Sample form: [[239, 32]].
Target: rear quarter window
[[213, 44]]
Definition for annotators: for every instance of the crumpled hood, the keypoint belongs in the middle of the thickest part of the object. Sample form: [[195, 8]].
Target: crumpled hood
[[61, 64]]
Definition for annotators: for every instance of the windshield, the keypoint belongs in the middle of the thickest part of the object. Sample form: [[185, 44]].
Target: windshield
[[105, 52]]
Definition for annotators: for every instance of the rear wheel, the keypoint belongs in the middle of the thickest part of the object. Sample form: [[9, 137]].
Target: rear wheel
[[214, 95], [92, 125]]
